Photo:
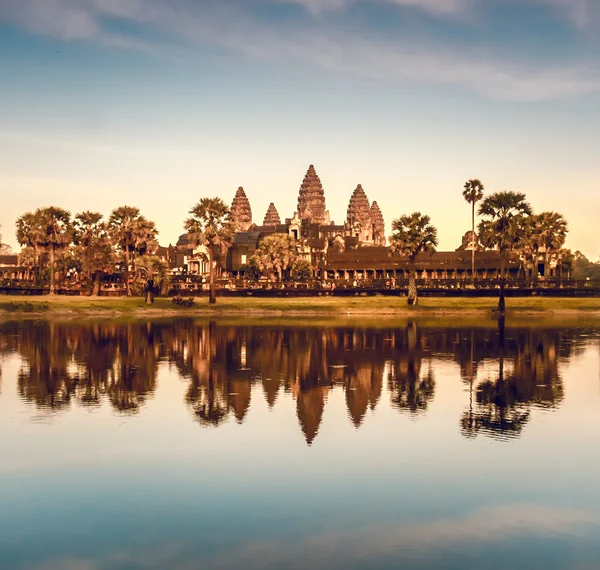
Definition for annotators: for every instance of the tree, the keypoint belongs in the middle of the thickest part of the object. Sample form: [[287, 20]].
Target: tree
[[5, 249], [276, 253], [55, 234], [584, 269], [131, 234], [503, 228], [212, 226], [93, 247], [473, 193], [302, 269], [551, 232], [152, 275], [413, 234], [28, 236]]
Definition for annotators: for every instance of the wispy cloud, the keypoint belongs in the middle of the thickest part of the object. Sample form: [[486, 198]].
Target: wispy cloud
[[328, 43]]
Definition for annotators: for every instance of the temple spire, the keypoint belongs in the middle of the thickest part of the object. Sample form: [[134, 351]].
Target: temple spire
[[359, 209], [241, 211], [311, 199], [272, 216], [378, 225]]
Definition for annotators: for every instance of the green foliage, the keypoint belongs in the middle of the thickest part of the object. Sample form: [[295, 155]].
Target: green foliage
[[4, 248], [253, 270], [132, 234], [302, 270], [211, 225], [584, 269], [473, 191], [93, 247], [183, 302], [275, 254], [152, 267], [413, 234], [503, 226]]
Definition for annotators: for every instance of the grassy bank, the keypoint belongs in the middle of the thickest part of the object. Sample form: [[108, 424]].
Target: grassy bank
[[368, 307]]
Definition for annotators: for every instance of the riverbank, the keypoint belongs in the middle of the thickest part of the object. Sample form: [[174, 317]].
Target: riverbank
[[371, 307]]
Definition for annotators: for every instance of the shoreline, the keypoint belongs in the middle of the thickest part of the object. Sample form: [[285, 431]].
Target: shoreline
[[364, 307]]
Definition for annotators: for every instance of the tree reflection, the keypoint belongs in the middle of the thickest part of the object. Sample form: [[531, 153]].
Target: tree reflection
[[503, 404], [231, 369], [65, 362], [410, 390]]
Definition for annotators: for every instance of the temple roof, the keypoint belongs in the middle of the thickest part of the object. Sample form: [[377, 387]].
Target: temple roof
[[379, 258]]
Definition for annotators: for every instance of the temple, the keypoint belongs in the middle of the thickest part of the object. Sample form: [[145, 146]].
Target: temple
[[353, 250]]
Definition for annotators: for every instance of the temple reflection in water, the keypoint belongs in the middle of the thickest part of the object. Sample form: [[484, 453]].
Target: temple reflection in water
[[506, 372]]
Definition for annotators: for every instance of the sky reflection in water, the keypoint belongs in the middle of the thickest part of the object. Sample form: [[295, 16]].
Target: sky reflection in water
[[202, 445]]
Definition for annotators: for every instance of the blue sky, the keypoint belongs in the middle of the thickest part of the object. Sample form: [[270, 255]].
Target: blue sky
[[156, 104]]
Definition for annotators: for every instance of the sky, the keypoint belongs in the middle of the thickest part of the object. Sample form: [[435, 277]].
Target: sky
[[158, 103]]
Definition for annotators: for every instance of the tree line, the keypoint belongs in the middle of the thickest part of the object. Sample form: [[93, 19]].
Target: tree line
[[54, 242]]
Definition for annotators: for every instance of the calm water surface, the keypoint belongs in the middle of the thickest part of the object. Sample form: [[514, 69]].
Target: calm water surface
[[183, 445]]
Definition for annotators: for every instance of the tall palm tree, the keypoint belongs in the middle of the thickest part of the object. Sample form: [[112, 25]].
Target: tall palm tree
[[212, 226], [131, 232], [411, 235], [551, 233], [473, 193], [503, 228], [55, 233]]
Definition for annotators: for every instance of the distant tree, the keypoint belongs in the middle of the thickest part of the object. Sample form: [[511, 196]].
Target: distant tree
[[131, 233], [302, 270], [473, 193], [28, 236], [93, 248], [151, 268], [55, 234], [503, 228], [413, 234], [551, 232], [212, 226], [584, 269], [5, 249], [275, 254]]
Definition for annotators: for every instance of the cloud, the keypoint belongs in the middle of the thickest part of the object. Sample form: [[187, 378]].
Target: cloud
[[435, 7], [329, 43]]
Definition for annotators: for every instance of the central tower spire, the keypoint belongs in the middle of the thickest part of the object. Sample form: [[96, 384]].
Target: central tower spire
[[311, 199]]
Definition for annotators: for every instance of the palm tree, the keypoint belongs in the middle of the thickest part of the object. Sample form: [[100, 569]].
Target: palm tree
[[131, 232], [55, 233], [503, 228], [212, 226], [411, 235], [28, 235], [276, 253], [473, 193], [551, 230], [94, 250]]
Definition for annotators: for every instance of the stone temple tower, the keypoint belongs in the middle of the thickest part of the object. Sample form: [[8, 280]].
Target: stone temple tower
[[272, 216], [311, 199], [378, 225], [359, 214], [241, 211]]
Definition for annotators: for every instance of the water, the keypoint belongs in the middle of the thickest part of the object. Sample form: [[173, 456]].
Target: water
[[188, 444]]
